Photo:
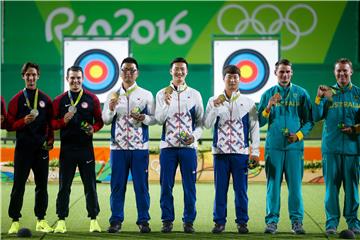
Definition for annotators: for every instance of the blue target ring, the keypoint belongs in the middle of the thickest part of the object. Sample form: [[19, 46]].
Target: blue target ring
[[104, 62], [257, 65]]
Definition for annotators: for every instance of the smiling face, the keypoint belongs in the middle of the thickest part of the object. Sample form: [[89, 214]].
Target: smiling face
[[343, 72], [30, 77], [75, 80], [178, 72], [284, 73]]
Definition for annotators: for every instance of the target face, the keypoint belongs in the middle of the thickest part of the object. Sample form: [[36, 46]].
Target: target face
[[256, 60], [253, 67], [100, 61], [101, 70]]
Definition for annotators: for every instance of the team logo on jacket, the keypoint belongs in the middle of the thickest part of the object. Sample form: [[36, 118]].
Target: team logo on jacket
[[101, 70], [41, 103], [254, 69], [84, 105]]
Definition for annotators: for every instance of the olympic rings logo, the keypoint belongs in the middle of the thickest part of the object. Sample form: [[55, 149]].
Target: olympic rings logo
[[274, 27]]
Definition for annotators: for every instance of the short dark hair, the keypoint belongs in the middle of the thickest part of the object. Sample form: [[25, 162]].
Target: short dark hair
[[283, 61], [178, 60], [231, 69], [74, 69], [28, 65], [130, 60], [344, 61]]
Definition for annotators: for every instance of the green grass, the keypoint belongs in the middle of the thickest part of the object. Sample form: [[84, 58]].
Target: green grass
[[78, 223]]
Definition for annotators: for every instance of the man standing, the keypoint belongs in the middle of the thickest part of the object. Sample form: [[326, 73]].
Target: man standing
[[180, 110], [339, 106], [29, 114], [77, 114], [235, 122], [130, 111], [286, 108]]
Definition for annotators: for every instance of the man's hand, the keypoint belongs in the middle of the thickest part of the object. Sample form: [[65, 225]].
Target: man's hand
[[190, 139], [273, 101], [29, 118], [347, 130], [2, 118], [253, 162], [68, 116], [219, 100], [292, 138], [324, 91], [137, 116], [112, 104]]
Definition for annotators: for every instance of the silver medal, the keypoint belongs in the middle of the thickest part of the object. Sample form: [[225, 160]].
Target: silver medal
[[72, 109], [34, 112]]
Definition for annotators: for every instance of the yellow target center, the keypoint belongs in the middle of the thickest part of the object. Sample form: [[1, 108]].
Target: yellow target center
[[96, 71], [246, 71]]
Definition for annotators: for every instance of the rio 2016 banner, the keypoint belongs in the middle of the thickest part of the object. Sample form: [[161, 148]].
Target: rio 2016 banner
[[160, 31]]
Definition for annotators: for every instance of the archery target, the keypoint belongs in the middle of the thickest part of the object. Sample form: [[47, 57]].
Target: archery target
[[255, 59], [100, 65], [101, 70]]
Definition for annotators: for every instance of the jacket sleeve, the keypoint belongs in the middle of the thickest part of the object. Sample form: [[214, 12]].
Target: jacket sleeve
[[150, 105], [262, 113], [13, 123], [57, 122], [199, 114], [161, 109], [107, 115], [98, 122], [319, 109], [49, 117], [210, 114], [254, 131], [306, 117]]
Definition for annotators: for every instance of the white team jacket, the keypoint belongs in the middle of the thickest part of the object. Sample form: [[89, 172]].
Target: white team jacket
[[184, 113], [234, 123], [127, 133]]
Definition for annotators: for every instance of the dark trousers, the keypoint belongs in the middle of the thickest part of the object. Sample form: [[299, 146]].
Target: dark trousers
[[83, 159], [24, 160]]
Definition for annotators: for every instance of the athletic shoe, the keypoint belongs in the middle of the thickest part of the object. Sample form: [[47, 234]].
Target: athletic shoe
[[43, 226], [297, 228], [331, 231], [94, 226], [60, 227], [242, 228], [167, 227], [115, 227], [271, 228], [355, 230], [14, 228], [188, 228], [218, 228], [144, 227]]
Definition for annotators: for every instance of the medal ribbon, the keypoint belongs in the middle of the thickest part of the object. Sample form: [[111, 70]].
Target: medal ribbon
[[77, 99], [35, 99], [127, 93]]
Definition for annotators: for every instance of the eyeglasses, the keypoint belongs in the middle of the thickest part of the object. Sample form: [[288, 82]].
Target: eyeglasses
[[130, 70]]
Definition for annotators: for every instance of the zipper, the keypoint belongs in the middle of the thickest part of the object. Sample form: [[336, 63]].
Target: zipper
[[231, 110], [127, 122], [179, 123]]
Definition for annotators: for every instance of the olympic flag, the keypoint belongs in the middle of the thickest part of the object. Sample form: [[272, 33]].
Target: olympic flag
[[100, 61], [256, 60]]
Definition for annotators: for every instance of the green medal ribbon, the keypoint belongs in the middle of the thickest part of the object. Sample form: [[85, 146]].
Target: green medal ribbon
[[35, 99], [77, 99], [127, 93]]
